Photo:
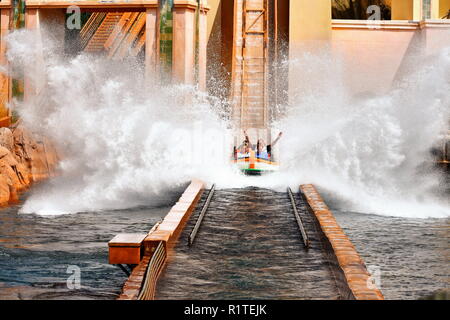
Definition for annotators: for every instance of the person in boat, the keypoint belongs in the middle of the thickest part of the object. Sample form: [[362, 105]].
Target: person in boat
[[244, 149], [262, 149]]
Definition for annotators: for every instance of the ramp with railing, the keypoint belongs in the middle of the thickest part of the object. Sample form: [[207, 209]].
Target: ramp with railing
[[117, 34], [100, 31], [249, 246], [249, 243]]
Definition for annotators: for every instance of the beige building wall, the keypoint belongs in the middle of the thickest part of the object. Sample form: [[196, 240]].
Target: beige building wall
[[371, 58], [309, 21], [435, 4], [406, 9], [213, 14], [220, 22], [309, 31], [413, 9], [374, 58], [444, 7], [402, 10], [417, 7]]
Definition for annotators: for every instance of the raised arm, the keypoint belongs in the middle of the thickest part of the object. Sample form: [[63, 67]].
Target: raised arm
[[247, 138], [276, 140]]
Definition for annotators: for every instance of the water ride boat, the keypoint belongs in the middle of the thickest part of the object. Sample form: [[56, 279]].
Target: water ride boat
[[258, 158], [253, 163]]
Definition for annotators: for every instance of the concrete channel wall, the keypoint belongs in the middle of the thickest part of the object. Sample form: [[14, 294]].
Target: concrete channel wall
[[353, 279], [167, 233]]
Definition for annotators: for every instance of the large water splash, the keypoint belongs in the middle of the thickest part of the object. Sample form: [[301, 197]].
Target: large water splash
[[373, 151], [126, 142], [370, 152]]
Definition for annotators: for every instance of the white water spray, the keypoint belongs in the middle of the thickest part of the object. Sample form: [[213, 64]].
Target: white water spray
[[126, 143], [373, 152]]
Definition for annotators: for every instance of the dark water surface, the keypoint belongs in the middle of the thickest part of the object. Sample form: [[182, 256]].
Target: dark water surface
[[412, 255], [249, 247], [36, 252], [261, 256]]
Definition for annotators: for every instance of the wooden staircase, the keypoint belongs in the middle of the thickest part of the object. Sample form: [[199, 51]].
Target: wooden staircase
[[121, 42], [118, 34], [101, 35], [90, 27], [249, 91], [140, 43]]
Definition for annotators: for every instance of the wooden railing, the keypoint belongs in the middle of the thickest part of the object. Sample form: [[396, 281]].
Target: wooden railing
[[124, 43], [117, 34], [103, 32], [91, 26], [154, 269], [139, 44]]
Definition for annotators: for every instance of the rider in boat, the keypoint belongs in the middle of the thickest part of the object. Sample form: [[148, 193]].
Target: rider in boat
[[263, 150], [244, 149]]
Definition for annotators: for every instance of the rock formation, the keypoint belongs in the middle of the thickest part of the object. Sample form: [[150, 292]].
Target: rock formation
[[24, 158]]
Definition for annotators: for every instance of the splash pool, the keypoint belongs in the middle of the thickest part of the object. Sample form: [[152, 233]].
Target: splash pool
[[36, 251]]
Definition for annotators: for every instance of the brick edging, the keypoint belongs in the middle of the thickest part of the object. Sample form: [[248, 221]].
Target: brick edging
[[351, 264], [167, 231]]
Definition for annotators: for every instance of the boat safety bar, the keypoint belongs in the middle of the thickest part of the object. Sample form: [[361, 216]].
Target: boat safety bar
[[298, 218], [200, 217]]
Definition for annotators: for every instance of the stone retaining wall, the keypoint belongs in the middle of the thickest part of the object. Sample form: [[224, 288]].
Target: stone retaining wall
[[352, 277]]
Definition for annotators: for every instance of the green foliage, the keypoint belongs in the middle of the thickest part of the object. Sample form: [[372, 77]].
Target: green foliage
[[17, 89], [14, 117], [18, 20], [166, 37]]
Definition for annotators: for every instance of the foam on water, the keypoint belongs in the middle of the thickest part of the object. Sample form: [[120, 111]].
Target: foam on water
[[126, 142]]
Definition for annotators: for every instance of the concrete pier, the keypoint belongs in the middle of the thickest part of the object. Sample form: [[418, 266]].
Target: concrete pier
[[249, 246]]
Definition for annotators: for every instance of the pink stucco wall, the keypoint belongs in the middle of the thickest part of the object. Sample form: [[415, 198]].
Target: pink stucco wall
[[374, 54]]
